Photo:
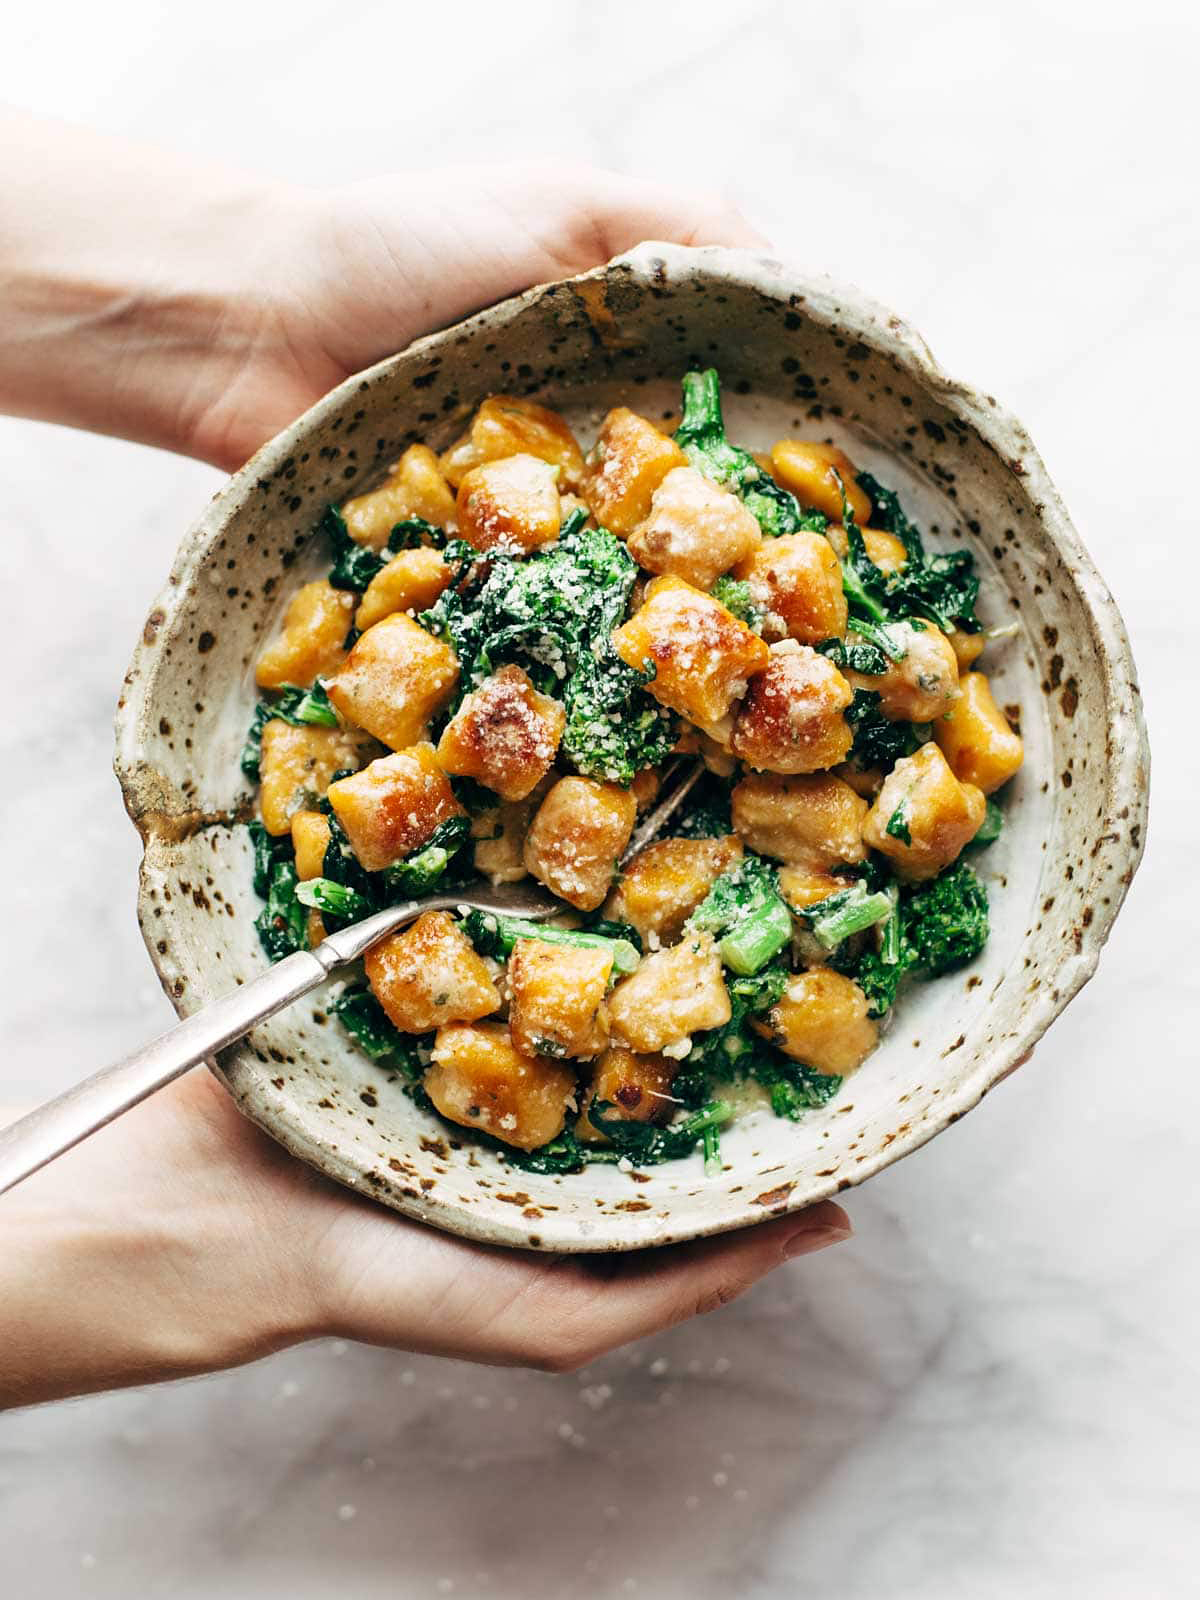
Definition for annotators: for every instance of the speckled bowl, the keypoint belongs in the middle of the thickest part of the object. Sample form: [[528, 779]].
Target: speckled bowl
[[796, 355]]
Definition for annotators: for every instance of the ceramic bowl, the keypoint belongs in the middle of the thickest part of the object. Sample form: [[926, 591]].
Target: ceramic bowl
[[796, 355]]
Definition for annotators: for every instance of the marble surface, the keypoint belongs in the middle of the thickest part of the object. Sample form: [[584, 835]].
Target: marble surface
[[994, 1389]]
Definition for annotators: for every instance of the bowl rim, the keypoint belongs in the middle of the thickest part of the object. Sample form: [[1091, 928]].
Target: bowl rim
[[162, 814]]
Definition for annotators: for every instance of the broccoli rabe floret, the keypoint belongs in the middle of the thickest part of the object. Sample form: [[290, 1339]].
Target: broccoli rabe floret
[[851, 910], [746, 915], [734, 594], [494, 934], [702, 438], [879, 742], [930, 929], [555, 614], [942, 587]]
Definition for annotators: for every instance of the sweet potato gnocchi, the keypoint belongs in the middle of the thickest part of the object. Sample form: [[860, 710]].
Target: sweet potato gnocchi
[[516, 638]]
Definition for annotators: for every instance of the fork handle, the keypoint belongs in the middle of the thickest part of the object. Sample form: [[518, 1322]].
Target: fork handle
[[39, 1137]]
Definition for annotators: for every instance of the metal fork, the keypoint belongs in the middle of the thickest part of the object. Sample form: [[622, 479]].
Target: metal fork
[[38, 1138]]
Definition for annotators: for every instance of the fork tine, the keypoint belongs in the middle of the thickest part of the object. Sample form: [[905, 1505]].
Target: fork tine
[[654, 821]]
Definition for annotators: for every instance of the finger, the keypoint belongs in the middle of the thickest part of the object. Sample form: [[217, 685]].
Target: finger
[[611, 212], [584, 1307]]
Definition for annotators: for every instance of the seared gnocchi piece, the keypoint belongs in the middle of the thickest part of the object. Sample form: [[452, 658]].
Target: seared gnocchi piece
[[391, 807], [797, 582], [637, 1088], [313, 640], [499, 840], [922, 686], [806, 886], [310, 837], [310, 840], [411, 581], [695, 530], [630, 460], [821, 1019], [812, 820], [557, 998], [976, 738], [479, 1079], [884, 549], [812, 472], [673, 994], [430, 975], [510, 505], [577, 837], [505, 426], [967, 647], [923, 816], [792, 718], [702, 655], [415, 487], [395, 678], [296, 765], [664, 883], [504, 735]]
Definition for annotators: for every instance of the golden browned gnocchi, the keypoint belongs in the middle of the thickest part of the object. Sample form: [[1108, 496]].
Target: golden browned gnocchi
[[673, 994], [534, 637], [923, 816], [701, 655], [575, 841], [504, 735], [415, 487], [478, 1077], [694, 530], [557, 998], [791, 717], [393, 806], [630, 459], [506, 426], [510, 505], [430, 975], [313, 641], [394, 679]]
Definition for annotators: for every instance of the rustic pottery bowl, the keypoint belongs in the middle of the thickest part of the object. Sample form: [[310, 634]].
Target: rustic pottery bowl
[[796, 355]]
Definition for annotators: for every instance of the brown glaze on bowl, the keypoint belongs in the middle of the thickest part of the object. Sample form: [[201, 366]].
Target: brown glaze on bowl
[[796, 355]]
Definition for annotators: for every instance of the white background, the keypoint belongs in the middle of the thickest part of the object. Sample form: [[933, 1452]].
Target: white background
[[994, 1389]]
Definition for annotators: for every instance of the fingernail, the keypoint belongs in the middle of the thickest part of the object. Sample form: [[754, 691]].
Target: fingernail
[[807, 1240]]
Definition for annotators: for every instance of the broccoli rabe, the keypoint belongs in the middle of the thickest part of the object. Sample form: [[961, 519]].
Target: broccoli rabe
[[942, 587], [494, 934], [702, 438], [932, 928], [354, 564], [746, 915], [335, 899], [858, 656], [297, 706], [734, 594], [879, 742], [849, 911], [647, 1143], [283, 922], [366, 1022], [731, 1051], [992, 825], [426, 869], [554, 614], [793, 1087], [706, 815]]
